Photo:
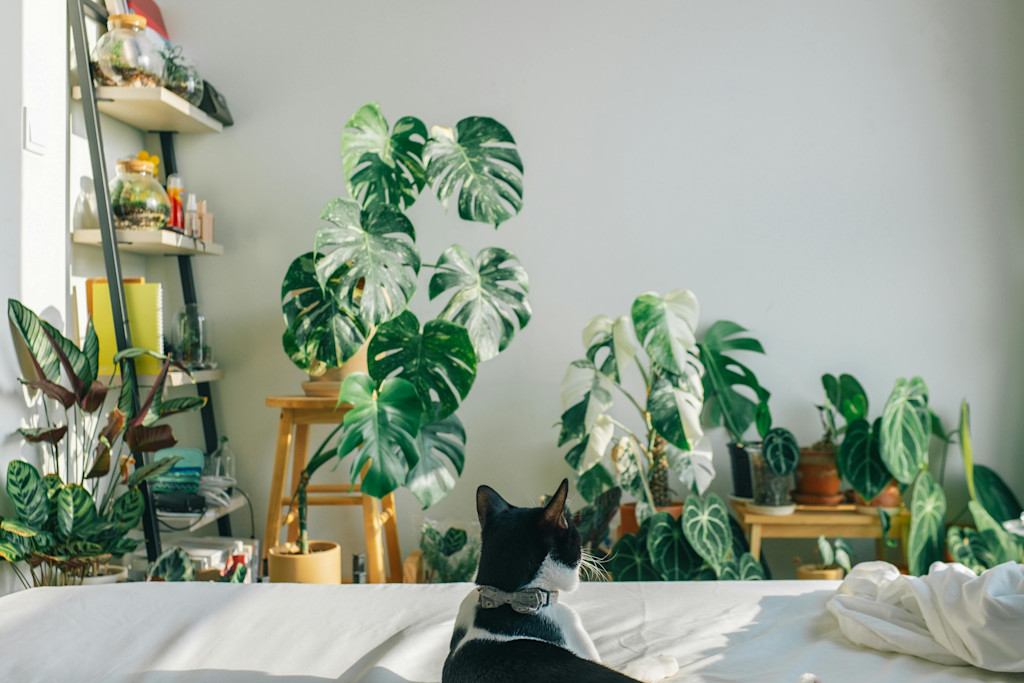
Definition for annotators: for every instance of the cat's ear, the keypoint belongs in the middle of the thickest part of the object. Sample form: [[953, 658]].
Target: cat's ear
[[554, 511], [489, 503]]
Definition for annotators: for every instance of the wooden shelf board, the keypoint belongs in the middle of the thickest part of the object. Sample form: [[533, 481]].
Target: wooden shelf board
[[175, 378], [152, 242], [152, 110], [198, 521]]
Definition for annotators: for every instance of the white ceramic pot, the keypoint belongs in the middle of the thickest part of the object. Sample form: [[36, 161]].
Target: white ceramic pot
[[110, 574]]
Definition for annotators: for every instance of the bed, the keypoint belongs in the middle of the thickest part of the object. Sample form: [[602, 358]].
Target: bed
[[724, 631]]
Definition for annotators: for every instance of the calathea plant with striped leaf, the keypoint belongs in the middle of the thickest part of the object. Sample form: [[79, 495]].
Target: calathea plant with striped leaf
[[75, 517], [358, 282]]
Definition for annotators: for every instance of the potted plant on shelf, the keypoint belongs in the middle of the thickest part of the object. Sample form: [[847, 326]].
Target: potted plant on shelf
[[817, 476], [658, 339], [352, 292], [835, 559], [74, 519], [772, 463]]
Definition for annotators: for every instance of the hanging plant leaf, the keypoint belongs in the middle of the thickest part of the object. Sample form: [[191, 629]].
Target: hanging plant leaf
[[994, 495], [927, 525], [667, 328], [630, 560], [439, 361], [127, 510], [43, 434], [479, 160], [383, 427], [674, 405], [694, 467], [906, 429], [860, 459], [43, 360], [615, 338], [669, 552], [76, 512], [442, 456], [781, 451], [706, 526], [382, 167], [319, 333], [27, 493], [490, 299], [750, 569], [149, 439], [586, 393], [153, 469], [968, 548], [374, 248], [723, 376], [174, 564]]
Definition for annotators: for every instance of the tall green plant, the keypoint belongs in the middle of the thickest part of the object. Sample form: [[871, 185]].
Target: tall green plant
[[732, 392]]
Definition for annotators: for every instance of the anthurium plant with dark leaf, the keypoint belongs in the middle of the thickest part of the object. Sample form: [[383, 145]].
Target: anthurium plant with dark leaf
[[358, 282], [654, 343], [77, 515]]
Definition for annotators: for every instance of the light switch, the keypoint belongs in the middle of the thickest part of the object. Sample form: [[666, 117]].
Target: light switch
[[33, 134]]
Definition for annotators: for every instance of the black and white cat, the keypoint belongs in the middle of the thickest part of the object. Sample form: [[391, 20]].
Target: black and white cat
[[513, 628]]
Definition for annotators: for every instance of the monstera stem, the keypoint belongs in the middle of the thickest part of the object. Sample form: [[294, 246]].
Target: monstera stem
[[658, 478], [303, 533]]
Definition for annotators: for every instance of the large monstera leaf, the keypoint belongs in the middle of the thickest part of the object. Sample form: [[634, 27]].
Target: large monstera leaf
[[383, 426], [479, 161], [670, 553], [442, 455], [724, 376], [586, 394], [28, 493], [615, 339], [667, 328], [906, 429], [927, 525], [490, 297], [860, 458], [370, 261], [675, 404], [383, 167], [438, 361], [706, 526], [319, 333]]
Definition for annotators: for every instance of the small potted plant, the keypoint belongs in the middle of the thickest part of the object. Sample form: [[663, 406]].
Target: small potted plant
[[451, 556], [817, 476], [834, 560], [772, 464], [657, 340], [74, 519]]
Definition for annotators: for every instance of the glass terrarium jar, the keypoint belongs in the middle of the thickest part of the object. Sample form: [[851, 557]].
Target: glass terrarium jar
[[138, 200], [125, 56], [182, 78]]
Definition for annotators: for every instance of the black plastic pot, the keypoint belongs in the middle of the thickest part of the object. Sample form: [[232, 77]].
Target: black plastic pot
[[742, 486]]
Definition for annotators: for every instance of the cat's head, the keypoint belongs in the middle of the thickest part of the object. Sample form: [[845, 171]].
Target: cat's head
[[527, 546]]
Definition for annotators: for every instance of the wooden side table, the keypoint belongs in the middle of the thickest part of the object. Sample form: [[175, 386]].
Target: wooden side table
[[379, 521], [811, 521]]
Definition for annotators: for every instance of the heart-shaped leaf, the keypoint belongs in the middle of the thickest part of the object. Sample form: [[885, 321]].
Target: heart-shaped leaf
[[616, 338], [76, 512], [860, 459], [27, 493], [994, 495], [383, 426], [706, 526], [383, 167], [479, 161], [780, 451], [674, 404], [439, 361], [667, 328], [490, 297], [968, 548], [1003, 545], [442, 456], [724, 377], [454, 540], [927, 525], [750, 569], [669, 551], [630, 561], [906, 429], [174, 564], [369, 262]]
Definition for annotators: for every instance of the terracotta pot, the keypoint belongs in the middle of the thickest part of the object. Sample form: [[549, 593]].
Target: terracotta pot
[[627, 516], [816, 473], [889, 498], [811, 572], [321, 565]]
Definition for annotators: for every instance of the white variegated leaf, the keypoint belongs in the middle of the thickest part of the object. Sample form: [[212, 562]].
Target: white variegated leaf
[[597, 445], [582, 379], [694, 467]]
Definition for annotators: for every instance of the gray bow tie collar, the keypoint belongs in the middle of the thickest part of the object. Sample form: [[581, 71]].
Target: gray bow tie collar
[[526, 601]]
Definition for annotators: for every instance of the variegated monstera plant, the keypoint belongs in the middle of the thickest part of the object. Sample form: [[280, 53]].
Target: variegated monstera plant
[[359, 279]]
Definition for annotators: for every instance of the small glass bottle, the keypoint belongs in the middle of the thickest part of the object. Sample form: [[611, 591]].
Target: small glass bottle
[[191, 336], [175, 188], [192, 216]]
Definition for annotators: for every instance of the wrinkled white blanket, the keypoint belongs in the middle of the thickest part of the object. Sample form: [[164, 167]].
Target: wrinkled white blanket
[[949, 616]]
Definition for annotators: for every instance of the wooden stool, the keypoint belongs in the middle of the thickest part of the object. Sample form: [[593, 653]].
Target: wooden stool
[[297, 414]]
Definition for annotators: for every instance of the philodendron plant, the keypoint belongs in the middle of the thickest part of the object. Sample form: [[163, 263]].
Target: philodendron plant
[[361, 275], [703, 544], [657, 339]]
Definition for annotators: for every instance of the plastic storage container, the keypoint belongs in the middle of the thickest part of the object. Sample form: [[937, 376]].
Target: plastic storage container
[[125, 56], [138, 200]]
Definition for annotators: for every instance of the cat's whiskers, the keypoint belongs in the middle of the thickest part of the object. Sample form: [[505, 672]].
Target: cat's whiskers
[[592, 567]]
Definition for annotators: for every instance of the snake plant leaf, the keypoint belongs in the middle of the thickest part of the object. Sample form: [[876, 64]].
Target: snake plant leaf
[[706, 526], [668, 549], [906, 429], [860, 459], [479, 160], [994, 495], [594, 482], [42, 359], [76, 512], [616, 338], [490, 297], [382, 166], [319, 333], [629, 559], [781, 451], [586, 393], [750, 569], [382, 426], [724, 377], [1003, 546], [28, 493], [693, 467], [674, 405], [667, 328], [127, 510], [174, 564], [927, 534], [43, 434], [968, 548], [151, 470], [442, 456], [438, 361], [369, 262]]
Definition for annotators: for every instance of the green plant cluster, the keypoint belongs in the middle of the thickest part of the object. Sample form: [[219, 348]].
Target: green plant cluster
[[450, 557]]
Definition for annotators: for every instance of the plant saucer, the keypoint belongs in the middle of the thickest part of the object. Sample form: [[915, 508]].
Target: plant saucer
[[779, 510], [873, 510]]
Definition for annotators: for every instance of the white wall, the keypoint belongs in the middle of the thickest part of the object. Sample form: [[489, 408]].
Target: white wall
[[840, 177]]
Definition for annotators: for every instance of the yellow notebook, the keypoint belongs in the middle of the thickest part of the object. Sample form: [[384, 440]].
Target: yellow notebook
[[144, 302]]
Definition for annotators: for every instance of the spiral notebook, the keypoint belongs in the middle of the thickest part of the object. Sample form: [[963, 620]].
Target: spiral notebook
[[144, 302]]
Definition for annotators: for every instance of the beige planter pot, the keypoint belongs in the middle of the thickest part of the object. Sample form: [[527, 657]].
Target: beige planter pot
[[811, 572], [329, 383], [321, 565], [110, 574]]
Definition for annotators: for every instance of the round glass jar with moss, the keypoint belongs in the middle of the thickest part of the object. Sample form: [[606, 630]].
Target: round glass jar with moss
[[125, 56], [138, 200]]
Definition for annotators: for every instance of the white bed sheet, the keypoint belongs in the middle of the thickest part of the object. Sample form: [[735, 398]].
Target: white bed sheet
[[724, 631]]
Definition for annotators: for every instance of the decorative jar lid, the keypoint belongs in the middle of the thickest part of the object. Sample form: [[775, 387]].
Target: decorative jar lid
[[135, 166], [126, 21]]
